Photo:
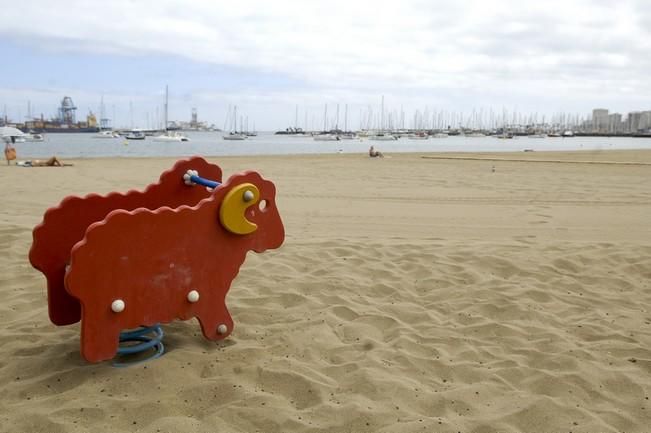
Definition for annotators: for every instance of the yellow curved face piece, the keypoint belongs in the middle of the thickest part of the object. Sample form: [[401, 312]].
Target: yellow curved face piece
[[237, 200]]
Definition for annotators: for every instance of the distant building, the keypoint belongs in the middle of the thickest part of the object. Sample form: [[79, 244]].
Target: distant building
[[633, 121], [645, 121], [600, 121], [615, 123], [194, 124]]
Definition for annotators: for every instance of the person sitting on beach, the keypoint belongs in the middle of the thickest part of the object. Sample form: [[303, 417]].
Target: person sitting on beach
[[374, 153], [10, 151], [52, 162]]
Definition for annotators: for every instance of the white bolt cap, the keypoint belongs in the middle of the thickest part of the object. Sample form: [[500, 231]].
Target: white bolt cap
[[248, 195], [118, 306], [188, 174], [222, 329], [193, 296]]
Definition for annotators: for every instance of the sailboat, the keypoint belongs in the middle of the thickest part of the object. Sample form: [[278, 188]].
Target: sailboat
[[168, 136], [347, 135], [325, 135], [253, 133], [381, 135], [234, 135]]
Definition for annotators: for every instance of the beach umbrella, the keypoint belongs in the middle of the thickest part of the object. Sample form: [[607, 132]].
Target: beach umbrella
[[8, 131]]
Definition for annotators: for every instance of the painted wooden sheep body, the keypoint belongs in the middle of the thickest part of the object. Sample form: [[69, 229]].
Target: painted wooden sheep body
[[65, 225], [145, 266]]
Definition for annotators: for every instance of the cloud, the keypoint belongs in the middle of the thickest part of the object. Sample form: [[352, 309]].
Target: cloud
[[362, 49]]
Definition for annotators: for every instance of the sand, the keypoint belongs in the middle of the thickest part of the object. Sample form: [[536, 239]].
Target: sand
[[411, 295]]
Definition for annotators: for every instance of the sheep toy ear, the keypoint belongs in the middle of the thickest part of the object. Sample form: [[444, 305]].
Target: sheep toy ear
[[236, 202]]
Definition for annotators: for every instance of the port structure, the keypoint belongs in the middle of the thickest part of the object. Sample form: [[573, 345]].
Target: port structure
[[67, 111]]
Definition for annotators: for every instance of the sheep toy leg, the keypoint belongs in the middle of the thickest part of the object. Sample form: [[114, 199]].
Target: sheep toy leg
[[216, 324], [99, 340]]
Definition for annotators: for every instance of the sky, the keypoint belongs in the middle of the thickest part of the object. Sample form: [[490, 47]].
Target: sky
[[274, 58]]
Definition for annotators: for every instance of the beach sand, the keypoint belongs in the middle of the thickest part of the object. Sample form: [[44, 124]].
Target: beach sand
[[411, 295]]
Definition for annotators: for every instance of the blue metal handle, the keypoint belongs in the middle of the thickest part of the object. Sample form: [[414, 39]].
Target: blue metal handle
[[205, 182]]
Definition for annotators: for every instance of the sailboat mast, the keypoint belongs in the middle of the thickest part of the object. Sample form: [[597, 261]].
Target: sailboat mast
[[166, 102], [382, 115], [337, 121]]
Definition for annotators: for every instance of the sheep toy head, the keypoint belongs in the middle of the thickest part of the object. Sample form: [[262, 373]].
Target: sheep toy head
[[248, 204]]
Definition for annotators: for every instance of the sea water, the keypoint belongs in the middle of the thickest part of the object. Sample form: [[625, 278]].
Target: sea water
[[81, 145]]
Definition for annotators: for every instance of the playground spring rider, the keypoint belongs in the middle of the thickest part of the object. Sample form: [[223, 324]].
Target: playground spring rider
[[135, 260]]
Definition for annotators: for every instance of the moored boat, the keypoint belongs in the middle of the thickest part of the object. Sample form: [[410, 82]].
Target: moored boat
[[418, 136], [171, 136], [34, 138], [326, 137], [381, 136], [106, 134], [234, 136], [136, 134]]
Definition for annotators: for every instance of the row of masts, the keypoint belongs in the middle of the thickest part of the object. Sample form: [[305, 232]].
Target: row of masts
[[429, 119], [372, 118]]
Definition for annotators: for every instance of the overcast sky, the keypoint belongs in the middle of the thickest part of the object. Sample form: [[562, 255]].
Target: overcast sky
[[267, 57]]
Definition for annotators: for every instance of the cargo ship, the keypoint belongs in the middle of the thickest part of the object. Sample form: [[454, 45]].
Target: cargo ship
[[65, 121]]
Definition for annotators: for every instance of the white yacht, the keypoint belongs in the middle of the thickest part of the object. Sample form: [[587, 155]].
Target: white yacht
[[106, 134], [381, 136], [326, 137], [234, 136], [136, 134], [171, 136], [34, 138]]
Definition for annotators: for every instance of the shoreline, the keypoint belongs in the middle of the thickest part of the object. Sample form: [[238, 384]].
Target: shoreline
[[532, 155]]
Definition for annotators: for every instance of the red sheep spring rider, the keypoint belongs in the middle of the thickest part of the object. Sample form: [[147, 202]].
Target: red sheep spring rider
[[124, 261]]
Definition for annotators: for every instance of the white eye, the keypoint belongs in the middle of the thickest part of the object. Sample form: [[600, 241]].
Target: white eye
[[222, 329], [193, 296], [248, 195], [118, 306]]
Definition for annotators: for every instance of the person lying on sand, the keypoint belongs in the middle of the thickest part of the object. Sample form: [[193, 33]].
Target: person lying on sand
[[374, 153], [52, 162]]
